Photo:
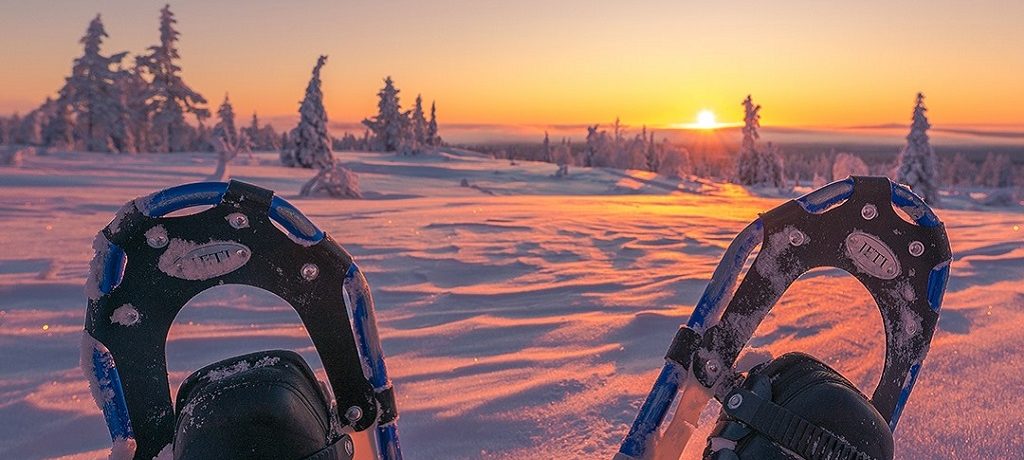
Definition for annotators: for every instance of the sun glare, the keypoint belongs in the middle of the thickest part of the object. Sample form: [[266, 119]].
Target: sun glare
[[706, 120]]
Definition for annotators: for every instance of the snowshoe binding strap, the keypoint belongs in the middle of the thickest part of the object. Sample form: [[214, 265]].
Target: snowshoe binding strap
[[797, 404], [852, 225], [149, 264]]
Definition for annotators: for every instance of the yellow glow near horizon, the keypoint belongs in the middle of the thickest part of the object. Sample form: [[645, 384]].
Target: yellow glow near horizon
[[524, 63], [706, 120]]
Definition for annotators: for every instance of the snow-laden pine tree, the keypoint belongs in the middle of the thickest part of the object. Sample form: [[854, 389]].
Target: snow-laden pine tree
[[169, 98], [996, 171], [419, 122], [917, 165], [651, 155], [848, 164], [59, 130], [673, 161], [433, 138], [94, 96], [224, 131], [958, 171], [309, 144], [134, 92], [546, 152], [756, 164], [389, 126], [594, 141], [254, 131]]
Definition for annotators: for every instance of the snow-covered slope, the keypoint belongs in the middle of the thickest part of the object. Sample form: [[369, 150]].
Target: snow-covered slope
[[523, 316]]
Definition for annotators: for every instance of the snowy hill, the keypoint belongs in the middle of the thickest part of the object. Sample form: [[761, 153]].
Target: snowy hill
[[524, 316]]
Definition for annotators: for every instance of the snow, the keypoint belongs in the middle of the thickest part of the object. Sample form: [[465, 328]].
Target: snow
[[527, 323], [240, 366]]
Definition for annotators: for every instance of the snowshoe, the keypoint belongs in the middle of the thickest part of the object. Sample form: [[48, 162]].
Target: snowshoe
[[852, 225], [149, 264]]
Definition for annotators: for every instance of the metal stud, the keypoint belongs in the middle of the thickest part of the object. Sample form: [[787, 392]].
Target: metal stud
[[796, 237], [916, 248], [310, 272], [349, 449], [156, 240], [735, 401], [869, 211], [354, 413], [711, 367], [238, 220]]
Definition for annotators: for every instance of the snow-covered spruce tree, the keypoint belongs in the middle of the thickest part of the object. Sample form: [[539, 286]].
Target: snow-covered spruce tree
[[32, 126], [673, 161], [254, 132], [224, 130], [917, 165], [958, 171], [94, 95], [59, 130], [848, 164], [651, 155], [389, 126], [755, 164], [309, 144], [594, 141], [996, 171], [134, 91], [169, 98], [546, 149], [419, 122], [433, 139]]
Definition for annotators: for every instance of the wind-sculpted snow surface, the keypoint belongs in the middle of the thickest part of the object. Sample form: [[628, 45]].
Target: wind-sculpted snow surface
[[525, 324]]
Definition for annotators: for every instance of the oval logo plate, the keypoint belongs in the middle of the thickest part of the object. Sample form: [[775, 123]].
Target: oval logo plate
[[872, 256], [191, 261]]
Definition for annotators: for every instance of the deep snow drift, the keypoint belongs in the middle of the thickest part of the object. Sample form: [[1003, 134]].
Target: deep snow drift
[[523, 316]]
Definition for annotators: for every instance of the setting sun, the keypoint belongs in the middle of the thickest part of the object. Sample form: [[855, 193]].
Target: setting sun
[[706, 120]]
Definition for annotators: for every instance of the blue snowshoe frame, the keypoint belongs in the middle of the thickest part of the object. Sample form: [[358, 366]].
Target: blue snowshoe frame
[[128, 361], [814, 226]]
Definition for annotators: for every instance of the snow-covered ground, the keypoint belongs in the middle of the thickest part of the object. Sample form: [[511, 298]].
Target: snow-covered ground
[[523, 316]]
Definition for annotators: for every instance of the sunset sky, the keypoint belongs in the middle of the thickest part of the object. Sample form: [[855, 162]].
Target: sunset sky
[[809, 63]]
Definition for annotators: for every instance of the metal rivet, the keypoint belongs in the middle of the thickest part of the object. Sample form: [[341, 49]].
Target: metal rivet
[[310, 272], [711, 367], [869, 211], [354, 413], [796, 237], [157, 241], [349, 449], [916, 248], [238, 220], [242, 253], [735, 401]]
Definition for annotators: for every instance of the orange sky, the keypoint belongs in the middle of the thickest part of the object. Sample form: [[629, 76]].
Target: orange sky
[[809, 63]]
